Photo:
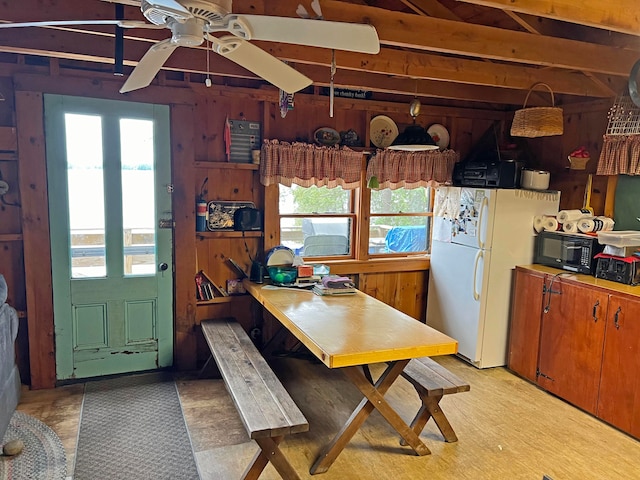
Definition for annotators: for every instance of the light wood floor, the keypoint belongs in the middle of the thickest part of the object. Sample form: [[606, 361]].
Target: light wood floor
[[507, 429]]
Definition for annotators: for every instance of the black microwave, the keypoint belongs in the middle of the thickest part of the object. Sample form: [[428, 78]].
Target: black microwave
[[568, 251]]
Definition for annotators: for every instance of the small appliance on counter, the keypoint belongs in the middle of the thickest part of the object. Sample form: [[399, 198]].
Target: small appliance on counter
[[618, 269], [574, 252], [534, 179], [620, 259]]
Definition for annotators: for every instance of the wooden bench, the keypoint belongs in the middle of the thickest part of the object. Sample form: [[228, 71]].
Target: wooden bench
[[432, 381], [266, 409]]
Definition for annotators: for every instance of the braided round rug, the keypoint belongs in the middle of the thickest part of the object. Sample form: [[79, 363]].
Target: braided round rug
[[43, 457]]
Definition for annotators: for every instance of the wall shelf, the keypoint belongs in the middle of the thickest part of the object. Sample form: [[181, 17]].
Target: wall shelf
[[227, 234], [214, 301], [11, 237], [228, 165], [8, 157]]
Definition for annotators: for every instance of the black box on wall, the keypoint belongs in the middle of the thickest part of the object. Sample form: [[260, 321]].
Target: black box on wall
[[244, 136]]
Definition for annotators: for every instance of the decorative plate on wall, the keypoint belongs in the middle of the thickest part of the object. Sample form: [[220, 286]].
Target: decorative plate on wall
[[382, 131], [326, 136], [440, 135]]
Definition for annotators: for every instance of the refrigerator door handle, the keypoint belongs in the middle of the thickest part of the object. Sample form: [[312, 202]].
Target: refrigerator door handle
[[483, 206], [476, 294]]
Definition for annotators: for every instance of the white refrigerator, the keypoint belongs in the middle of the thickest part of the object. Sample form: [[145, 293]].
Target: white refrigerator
[[479, 236]]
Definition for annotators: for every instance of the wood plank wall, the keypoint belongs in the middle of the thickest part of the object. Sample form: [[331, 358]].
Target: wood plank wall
[[197, 124]]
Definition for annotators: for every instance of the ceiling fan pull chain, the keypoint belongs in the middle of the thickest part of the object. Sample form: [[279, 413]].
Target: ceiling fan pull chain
[[333, 72], [207, 81]]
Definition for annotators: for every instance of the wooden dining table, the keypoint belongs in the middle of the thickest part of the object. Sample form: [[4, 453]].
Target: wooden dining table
[[350, 332]]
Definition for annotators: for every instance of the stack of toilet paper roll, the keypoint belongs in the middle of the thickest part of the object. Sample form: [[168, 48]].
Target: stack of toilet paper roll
[[573, 221]]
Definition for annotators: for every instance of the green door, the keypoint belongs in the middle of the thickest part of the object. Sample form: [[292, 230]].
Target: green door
[[108, 172]]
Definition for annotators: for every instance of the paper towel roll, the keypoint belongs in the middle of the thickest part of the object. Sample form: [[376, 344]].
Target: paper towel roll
[[551, 224], [538, 223], [571, 227], [565, 216], [608, 223], [587, 225], [596, 224]]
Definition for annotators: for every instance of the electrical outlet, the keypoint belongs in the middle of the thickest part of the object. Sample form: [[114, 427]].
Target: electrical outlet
[[4, 187]]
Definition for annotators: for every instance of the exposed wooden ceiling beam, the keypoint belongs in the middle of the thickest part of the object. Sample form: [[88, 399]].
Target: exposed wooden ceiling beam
[[417, 32], [396, 63], [434, 67], [73, 45], [423, 88], [619, 16], [458, 38], [433, 8], [528, 22], [520, 58]]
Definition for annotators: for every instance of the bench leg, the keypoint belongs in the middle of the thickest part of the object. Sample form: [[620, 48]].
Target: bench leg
[[431, 408], [269, 452], [209, 369]]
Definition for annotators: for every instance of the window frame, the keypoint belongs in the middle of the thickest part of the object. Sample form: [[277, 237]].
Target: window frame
[[360, 224]]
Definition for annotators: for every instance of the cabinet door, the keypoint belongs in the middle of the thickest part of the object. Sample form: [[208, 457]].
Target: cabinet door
[[524, 328], [573, 323], [619, 401]]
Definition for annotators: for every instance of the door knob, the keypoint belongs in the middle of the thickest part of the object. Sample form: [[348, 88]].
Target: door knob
[[162, 266]]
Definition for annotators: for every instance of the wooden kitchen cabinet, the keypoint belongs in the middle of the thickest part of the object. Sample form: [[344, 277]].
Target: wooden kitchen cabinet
[[619, 401], [524, 333], [588, 347], [571, 340]]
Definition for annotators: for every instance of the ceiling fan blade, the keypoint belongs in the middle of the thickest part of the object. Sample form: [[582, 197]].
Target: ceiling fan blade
[[352, 37], [149, 65], [63, 23], [170, 6], [260, 62]]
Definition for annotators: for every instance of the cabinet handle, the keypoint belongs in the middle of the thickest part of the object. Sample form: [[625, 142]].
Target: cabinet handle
[[595, 309], [615, 317]]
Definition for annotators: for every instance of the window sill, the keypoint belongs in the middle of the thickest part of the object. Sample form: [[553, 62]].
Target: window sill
[[377, 265]]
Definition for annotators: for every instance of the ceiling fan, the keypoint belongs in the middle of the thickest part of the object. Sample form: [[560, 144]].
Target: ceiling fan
[[193, 21]]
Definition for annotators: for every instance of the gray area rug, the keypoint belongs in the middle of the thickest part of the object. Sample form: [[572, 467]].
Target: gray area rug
[[132, 428], [43, 457]]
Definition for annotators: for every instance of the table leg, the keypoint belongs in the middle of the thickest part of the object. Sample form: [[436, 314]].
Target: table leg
[[374, 399]]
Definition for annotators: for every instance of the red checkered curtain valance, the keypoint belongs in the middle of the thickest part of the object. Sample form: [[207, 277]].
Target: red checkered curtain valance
[[620, 155], [306, 165], [401, 169]]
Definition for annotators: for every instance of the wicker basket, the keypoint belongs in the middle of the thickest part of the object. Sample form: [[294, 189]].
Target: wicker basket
[[537, 121], [578, 163]]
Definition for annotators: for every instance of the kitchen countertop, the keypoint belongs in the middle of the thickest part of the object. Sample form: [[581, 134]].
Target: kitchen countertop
[[584, 279]]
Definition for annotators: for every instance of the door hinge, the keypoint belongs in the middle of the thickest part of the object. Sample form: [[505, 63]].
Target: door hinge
[[166, 223], [540, 374]]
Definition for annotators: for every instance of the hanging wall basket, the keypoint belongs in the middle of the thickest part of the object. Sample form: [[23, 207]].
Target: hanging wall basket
[[537, 121]]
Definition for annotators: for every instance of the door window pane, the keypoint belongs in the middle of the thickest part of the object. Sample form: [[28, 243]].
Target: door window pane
[[138, 196], [85, 180]]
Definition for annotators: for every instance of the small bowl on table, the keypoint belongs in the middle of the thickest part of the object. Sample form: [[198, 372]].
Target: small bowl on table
[[282, 275]]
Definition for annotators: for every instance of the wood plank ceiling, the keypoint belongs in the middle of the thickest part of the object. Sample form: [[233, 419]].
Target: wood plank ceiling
[[486, 51]]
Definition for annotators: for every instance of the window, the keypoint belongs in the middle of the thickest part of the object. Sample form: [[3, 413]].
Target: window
[[322, 222], [349, 221], [400, 220], [317, 221]]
